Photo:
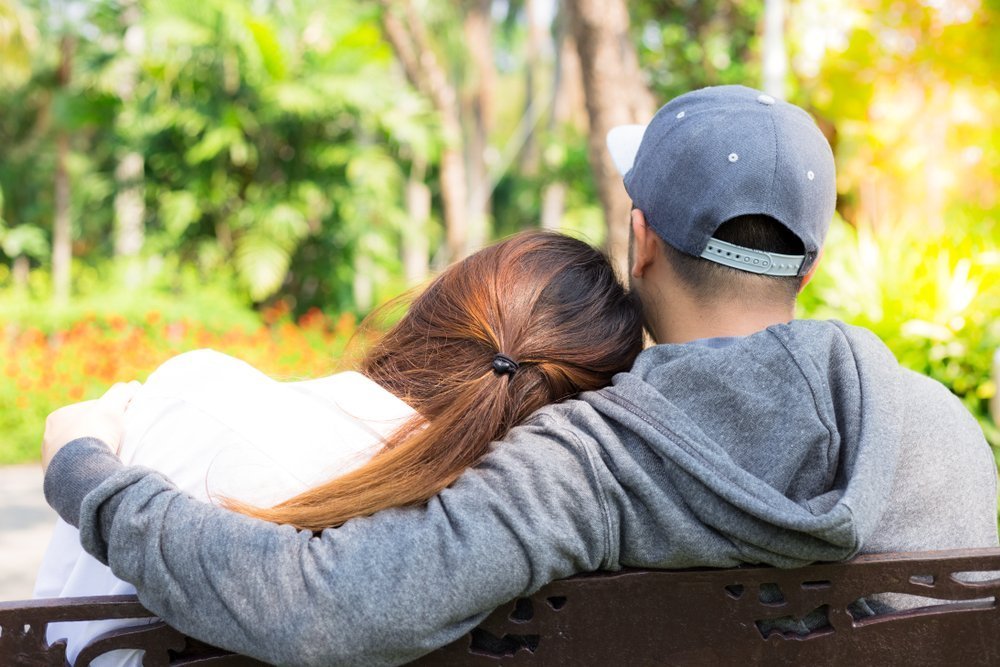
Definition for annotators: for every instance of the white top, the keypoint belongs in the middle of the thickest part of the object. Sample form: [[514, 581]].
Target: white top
[[217, 427]]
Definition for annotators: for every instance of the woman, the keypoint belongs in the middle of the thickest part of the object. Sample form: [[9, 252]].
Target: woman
[[531, 320]]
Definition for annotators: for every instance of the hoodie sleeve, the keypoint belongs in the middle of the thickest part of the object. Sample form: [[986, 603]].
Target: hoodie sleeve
[[377, 591]]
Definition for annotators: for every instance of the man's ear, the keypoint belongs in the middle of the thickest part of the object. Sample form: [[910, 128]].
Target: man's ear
[[812, 271], [645, 244]]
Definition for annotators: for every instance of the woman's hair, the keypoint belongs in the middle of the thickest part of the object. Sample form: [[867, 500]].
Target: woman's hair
[[548, 302]]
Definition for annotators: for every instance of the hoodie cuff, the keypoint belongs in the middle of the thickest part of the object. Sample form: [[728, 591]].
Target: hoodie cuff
[[76, 470]]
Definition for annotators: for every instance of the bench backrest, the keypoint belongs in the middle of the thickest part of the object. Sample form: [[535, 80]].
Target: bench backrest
[[647, 617]]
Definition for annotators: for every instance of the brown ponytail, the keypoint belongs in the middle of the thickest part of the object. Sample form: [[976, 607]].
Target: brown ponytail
[[548, 302]]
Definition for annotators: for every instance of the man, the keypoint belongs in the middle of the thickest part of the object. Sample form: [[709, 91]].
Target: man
[[745, 436]]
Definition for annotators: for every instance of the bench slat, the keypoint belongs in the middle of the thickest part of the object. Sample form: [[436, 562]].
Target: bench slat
[[745, 615]]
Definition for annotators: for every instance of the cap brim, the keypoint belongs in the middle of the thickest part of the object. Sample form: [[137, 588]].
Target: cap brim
[[623, 143]]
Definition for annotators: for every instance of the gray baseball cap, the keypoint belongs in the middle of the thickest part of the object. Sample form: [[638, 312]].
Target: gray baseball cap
[[718, 153]]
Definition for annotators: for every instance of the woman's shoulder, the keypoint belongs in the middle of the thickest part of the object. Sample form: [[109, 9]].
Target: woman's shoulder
[[214, 423], [196, 367], [357, 395]]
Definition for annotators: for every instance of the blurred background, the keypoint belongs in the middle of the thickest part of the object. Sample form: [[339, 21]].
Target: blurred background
[[256, 176]]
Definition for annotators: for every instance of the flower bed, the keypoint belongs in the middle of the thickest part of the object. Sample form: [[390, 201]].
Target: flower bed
[[42, 371]]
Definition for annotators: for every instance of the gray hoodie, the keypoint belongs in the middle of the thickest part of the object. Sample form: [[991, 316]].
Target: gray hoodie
[[800, 443]]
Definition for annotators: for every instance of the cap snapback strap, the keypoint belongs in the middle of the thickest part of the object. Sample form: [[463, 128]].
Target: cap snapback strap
[[754, 261]]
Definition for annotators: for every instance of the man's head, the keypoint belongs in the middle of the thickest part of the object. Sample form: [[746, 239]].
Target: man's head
[[740, 188]]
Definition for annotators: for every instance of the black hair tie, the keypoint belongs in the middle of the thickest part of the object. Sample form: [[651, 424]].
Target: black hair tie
[[502, 365]]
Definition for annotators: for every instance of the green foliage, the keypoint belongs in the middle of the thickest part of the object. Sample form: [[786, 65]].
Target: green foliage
[[906, 92], [18, 38], [688, 45], [255, 135], [263, 132], [28, 240]]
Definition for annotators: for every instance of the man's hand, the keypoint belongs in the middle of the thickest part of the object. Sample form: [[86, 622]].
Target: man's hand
[[102, 419]]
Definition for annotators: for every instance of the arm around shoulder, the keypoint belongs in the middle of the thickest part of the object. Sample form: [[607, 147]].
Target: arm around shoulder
[[378, 590]]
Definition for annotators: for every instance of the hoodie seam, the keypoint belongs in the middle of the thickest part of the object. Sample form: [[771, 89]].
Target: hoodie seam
[[606, 559], [823, 417], [842, 332]]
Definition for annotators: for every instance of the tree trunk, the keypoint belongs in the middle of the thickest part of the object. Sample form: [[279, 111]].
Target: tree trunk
[[130, 201], [62, 250], [130, 205], [453, 190], [364, 284], [21, 270], [409, 41], [416, 250], [995, 401], [615, 95], [553, 205], [479, 115], [775, 56], [528, 158], [568, 107]]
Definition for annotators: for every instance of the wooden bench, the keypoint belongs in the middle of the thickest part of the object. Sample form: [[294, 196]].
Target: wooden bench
[[644, 617]]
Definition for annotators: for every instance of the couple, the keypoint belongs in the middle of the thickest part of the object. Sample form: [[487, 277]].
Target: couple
[[744, 436], [529, 321]]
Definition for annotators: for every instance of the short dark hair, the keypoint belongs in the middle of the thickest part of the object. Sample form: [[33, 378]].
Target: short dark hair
[[710, 280]]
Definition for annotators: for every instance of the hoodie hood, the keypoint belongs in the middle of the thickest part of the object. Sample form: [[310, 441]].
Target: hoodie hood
[[781, 445]]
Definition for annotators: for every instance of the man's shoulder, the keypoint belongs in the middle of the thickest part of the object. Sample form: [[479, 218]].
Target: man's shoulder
[[929, 406], [572, 419], [944, 491]]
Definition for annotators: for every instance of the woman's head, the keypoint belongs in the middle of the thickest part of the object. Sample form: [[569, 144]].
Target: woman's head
[[546, 302]]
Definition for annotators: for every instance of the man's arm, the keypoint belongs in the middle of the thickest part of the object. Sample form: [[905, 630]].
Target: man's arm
[[378, 590]]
